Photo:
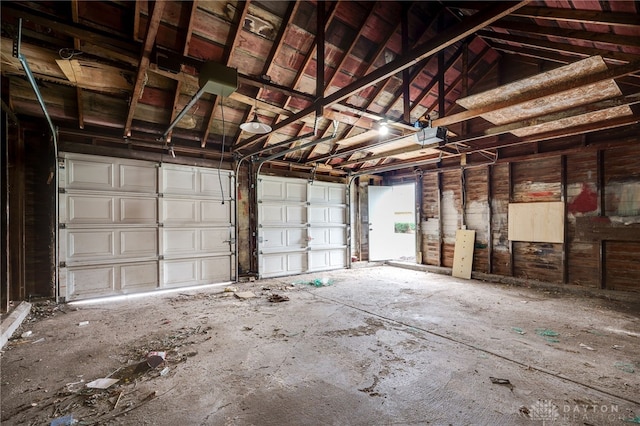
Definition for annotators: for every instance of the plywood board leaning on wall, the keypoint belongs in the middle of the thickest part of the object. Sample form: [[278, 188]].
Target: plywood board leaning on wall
[[536, 222], [463, 253]]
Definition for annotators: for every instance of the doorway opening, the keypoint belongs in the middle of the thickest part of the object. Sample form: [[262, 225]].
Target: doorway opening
[[392, 222]]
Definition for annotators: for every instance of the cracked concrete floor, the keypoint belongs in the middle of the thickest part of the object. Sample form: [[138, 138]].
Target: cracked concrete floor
[[378, 346]]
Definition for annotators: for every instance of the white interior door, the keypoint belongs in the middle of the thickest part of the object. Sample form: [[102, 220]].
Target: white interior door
[[381, 223]]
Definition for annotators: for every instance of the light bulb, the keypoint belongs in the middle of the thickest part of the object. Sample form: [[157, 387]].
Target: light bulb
[[256, 126], [383, 130]]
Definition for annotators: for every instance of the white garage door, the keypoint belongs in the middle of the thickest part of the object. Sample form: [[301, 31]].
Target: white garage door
[[130, 226], [302, 226]]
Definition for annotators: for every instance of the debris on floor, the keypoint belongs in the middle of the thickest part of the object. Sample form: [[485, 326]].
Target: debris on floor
[[504, 382], [518, 330], [589, 348], [245, 294], [103, 383], [625, 366], [316, 282], [83, 323], [276, 298], [635, 419], [67, 420], [230, 289], [549, 335]]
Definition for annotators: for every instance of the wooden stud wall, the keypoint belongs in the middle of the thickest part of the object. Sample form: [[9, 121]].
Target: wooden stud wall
[[602, 223]]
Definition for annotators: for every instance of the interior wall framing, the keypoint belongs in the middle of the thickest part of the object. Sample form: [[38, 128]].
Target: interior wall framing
[[602, 244]]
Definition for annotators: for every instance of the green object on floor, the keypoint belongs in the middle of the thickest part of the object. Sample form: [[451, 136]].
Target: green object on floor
[[317, 282], [546, 332], [518, 330], [625, 366], [635, 419]]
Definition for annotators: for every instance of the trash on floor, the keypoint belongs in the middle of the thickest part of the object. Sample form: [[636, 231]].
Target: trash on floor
[[164, 371], [624, 366], [155, 358], [83, 323], [103, 383], [276, 298], [498, 381], [549, 335], [518, 330], [245, 294], [67, 420], [230, 289], [617, 347], [589, 348], [317, 282], [26, 334], [635, 419]]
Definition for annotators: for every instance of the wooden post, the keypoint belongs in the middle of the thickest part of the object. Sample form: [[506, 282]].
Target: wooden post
[[490, 215], [602, 267], [439, 175], [510, 184], [563, 195]]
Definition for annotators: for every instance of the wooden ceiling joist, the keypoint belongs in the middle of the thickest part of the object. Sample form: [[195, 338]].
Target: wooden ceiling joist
[[152, 31]]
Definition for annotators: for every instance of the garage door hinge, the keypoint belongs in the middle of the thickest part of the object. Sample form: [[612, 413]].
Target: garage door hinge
[[61, 163], [62, 225], [161, 257], [63, 264], [160, 195], [62, 190], [160, 225]]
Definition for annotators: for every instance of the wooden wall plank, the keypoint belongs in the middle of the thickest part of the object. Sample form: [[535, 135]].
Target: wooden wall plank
[[477, 215], [430, 220], [623, 265], [501, 257]]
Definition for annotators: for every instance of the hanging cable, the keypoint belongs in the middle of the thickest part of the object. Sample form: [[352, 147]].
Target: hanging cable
[[222, 150]]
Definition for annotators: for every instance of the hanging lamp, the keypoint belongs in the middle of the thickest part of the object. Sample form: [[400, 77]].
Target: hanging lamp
[[255, 126]]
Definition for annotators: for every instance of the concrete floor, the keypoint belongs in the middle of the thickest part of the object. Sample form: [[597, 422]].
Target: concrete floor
[[379, 346]]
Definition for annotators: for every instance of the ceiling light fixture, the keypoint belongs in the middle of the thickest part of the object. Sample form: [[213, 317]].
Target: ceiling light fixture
[[255, 126], [383, 129]]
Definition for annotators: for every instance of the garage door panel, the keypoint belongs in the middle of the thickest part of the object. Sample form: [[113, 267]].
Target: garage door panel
[[179, 211], [283, 238], [327, 259], [327, 215], [91, 281], [284, 215], [177, 272], [216, 269], [274, 265], [325, 193], [327, 237], [179, 241], [90, 245], [296, 216], [212, 185], [138, 178], [82, 174], [178, 180], [138, 243], [89, 209], [214, 212], [139, 277], [138, 210], [121, 234], [215, 240]]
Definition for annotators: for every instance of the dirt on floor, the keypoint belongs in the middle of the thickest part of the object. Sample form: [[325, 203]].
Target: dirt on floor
[[366, 346]]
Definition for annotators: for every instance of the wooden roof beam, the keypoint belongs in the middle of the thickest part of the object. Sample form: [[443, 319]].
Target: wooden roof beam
[[152, 31]]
